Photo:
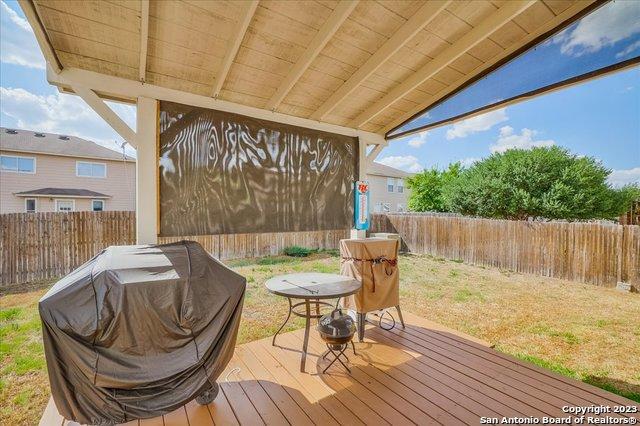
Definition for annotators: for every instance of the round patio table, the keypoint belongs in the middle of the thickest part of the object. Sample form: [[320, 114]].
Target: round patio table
[[310, 288]]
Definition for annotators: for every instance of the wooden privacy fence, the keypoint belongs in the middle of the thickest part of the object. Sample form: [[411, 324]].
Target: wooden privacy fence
[[36, 246], [237, 246], [595, 253]]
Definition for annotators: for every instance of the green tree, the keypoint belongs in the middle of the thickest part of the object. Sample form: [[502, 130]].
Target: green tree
[[546, 182], [426, 188]]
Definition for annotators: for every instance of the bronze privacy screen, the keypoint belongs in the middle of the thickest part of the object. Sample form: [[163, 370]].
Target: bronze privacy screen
[[225, 173]]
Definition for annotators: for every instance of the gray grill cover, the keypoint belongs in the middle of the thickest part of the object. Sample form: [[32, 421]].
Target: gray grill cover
[[138, 331]]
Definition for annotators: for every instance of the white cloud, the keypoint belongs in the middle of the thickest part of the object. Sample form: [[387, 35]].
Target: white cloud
[[418, 140], [630, 49], [468, 162], [63, 114], [611, 23], [525, 140], [18, 45], [479, 123], [408, 163], [619, 178]]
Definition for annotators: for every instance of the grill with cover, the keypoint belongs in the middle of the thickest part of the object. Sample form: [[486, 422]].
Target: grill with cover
[[138, 331]]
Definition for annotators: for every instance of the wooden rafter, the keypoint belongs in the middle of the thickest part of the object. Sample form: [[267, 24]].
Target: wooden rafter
[[248, 9], [567, 14], [483, 30], [374, 153], [322, 37], [107, 114], [144, 37], [406, 32], [30, 12]]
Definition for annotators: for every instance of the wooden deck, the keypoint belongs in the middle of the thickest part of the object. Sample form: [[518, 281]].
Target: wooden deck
[[425, 374]]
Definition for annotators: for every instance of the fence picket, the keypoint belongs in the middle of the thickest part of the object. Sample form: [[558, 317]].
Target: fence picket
[[595, 253]]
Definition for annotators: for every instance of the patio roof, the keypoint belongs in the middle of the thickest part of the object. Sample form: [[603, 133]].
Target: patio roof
[[366, 65]]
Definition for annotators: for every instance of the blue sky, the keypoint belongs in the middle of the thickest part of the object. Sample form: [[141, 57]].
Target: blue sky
[[600, 118]]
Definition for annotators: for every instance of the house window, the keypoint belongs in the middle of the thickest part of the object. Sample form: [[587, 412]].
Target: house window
[[96, 170], [17, 164], [400, 185], [401, 208], [65, 205], [390, 184], [97, 205], [30, 205], [386, 207]]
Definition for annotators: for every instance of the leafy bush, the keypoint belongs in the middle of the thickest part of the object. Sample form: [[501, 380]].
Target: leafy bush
[[426, 188], [297, 251], [544, 182]]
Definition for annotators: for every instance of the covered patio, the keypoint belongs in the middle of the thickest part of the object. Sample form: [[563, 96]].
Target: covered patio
[[347, 71], [357, 69], [425, 374]]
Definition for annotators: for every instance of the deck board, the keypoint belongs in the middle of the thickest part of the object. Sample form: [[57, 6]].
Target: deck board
[[424, 374]]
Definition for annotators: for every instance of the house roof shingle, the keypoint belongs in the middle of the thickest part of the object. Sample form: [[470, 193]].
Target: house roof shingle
[[50, 143], [62, 192], [379, 169]]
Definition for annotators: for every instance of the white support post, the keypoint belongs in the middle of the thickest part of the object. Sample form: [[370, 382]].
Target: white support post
[[362, 159], [147, 172], [363, 164]]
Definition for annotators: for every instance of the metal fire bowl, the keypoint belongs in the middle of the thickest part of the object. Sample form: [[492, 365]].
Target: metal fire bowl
[[336, 341]]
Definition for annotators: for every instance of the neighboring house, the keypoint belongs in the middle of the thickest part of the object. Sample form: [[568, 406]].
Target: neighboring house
[[388, 191], [44, 172]]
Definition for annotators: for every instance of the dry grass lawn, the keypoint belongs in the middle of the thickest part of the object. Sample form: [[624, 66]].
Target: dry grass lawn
[[582, 331]]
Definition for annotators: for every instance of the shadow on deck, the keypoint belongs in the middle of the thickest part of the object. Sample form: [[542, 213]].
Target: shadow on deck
[[425, 374]]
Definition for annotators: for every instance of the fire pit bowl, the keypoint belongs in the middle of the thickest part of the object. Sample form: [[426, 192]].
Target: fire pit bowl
[[337, 330]]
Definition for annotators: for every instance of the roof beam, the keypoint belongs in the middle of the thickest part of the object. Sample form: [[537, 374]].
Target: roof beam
[[550, 25], [107, 114], [405, 33], [246, 14], [322, 37], [374, 154], [126, 90], [30, 12], [144, 37], [483, 30]]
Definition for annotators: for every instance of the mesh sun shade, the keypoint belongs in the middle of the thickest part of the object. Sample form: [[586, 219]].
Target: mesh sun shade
[[224, 173], [604, 40]]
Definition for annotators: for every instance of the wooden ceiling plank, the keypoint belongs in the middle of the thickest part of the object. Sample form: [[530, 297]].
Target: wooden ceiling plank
[[234, 44], [49, 53], [483, 30], [144, 38], [406, 32], [324, 34], [440, 94]]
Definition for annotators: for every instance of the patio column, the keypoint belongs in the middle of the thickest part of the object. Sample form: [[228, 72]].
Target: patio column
[[362, 175], [147, 172]]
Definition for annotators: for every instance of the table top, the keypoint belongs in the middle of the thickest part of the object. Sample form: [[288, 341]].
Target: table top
[[313, 285]]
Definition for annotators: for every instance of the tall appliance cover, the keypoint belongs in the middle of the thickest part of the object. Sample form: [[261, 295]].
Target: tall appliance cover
[[373, 262], [138, 331]]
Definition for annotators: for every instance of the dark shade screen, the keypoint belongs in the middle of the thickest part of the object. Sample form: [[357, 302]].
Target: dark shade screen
[[606, 39], [224, 173]]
